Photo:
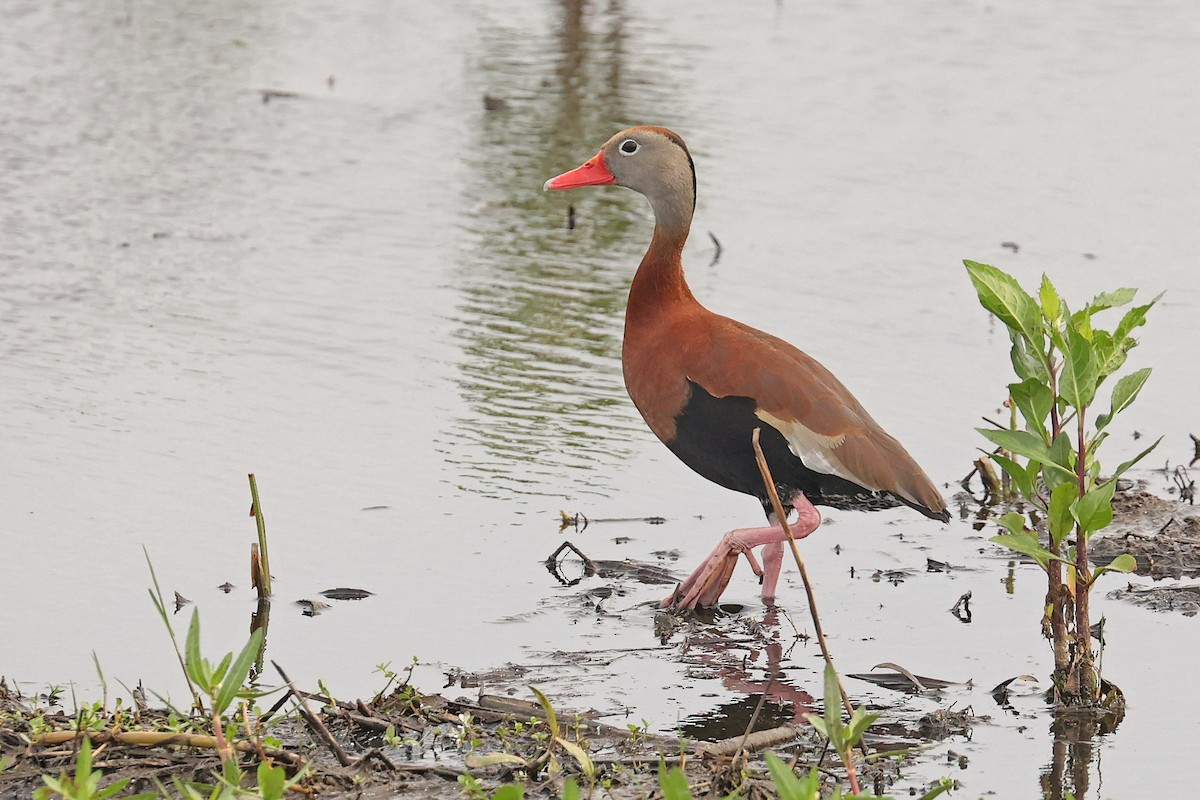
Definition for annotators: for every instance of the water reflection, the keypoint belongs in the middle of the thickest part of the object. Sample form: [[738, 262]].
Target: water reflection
[[1073, 752], [541, 312], [752, 667]]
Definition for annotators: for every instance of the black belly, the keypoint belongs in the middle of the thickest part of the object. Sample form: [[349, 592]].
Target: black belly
[[713, 437]]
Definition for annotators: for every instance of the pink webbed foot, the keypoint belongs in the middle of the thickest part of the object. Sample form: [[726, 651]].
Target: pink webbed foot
[[705, 586]]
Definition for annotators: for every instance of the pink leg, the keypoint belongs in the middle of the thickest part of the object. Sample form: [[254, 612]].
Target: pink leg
[[704, 586]]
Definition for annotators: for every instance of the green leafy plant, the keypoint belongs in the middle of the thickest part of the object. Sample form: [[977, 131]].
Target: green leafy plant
[[843, 737], [1060, 359], [575, 749], [160, 604], [788, 785], [273, 783], [508, 791], [85, 783], [223, 682]]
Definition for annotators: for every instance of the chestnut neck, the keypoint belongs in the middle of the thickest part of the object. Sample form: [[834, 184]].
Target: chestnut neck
[[659, 282]]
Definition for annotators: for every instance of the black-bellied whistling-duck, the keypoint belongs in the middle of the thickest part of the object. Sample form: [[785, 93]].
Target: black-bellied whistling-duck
[[704, 382]]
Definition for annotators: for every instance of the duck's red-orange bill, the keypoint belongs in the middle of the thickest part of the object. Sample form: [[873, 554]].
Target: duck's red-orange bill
[[590, 173]]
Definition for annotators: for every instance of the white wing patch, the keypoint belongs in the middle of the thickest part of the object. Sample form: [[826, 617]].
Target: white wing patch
[[816, 450]]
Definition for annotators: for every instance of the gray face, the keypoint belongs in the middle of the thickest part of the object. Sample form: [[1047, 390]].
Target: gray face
[[650, 162]]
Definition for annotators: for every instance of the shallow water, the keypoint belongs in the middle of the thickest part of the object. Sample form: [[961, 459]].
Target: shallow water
[[361, 294]]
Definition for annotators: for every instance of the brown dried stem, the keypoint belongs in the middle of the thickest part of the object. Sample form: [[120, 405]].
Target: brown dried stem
[[781, 517]]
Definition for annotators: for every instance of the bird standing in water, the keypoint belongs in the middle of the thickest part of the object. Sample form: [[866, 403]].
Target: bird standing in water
[[704, 382]]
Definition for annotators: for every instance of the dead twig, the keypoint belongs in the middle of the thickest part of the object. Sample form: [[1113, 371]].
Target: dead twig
[[740, 756], [754, 742], [962, 607], [552, 560], [717, 257], [781, 517], [313, 720], [163, 739]]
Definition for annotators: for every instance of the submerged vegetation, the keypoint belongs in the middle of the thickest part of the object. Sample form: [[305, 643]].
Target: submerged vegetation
[[1061, 359]]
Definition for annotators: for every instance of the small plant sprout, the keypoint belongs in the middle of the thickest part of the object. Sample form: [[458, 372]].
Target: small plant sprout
[[556, 738], [842, 737], [1060, 359], [85, 783]]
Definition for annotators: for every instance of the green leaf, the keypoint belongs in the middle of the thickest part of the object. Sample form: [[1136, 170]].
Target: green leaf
[[1027, 544], [944, 785], [858, 725], [218, 674], [1127, 464], [673, 783], [1018, 474], [1123, 395], [1000, 294], [818, 724], [1034, 400], [272, 781], [1122, 563], [1051, 302], [238, 673], [1023, 443], [585, 761], [788, 785], [196, 668], [1026, 365], [1079, 375], [570, 790], [1109, 355], [83, 761], [1013, 522], [1134, 318], [512, 791], [1060, 519], [1030, 446], [1113, 299], [833, 708], [551, 717], [1061, 466], [1093, 511]]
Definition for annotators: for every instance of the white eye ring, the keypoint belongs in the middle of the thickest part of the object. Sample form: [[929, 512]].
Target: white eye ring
[[628, 147]]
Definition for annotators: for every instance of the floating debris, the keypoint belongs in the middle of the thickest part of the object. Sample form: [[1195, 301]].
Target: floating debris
[[226, 587], [276, 94], [903, 680], [310, 608], [962, 608], [342, 593], [492, 103], [1000, 693], [944, 723]]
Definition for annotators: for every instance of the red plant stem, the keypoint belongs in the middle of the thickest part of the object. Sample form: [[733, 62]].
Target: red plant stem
[[1083, 576], [851, 773], [1054, 590]]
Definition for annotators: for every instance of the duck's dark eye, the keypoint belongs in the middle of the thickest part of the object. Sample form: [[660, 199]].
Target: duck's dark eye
[[629, 147]]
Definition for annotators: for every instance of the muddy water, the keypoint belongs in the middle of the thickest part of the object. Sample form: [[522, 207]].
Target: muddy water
[[360, 293]]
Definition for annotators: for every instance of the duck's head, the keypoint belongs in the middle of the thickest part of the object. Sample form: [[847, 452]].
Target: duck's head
[[652, 161]]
